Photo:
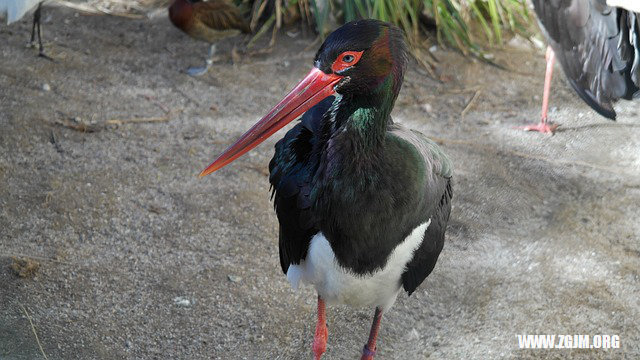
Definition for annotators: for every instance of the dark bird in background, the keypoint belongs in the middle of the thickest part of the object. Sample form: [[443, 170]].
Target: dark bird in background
[[363, 203], [598, 47], [16, 9], [208, 21]]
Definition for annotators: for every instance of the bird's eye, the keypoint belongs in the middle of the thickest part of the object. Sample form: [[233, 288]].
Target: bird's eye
[[346, 60]]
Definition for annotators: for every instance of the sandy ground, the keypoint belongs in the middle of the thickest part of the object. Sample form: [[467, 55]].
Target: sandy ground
[[138, 258]]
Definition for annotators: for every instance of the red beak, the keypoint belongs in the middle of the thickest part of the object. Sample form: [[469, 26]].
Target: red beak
[[311, 90]]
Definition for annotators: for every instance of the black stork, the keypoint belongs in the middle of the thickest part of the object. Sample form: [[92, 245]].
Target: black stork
[[208, 21], [598, 47], [363, 203]]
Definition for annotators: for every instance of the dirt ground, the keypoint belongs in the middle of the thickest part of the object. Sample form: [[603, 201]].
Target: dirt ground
[[135, 257]]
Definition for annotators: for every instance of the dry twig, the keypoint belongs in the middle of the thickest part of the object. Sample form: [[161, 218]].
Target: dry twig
[[41, 258], [427, 65], [33, 328], [137, 120], [89, 128], [470, 103], [156, 103], [78, 126]]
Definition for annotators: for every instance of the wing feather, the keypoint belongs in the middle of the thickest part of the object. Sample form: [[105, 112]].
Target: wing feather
[[291, 169], [597, 47], [437, 194], [220, 15]]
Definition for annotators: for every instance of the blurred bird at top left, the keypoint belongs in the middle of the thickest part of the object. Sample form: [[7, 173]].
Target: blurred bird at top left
[[16, 9], [208, 21]]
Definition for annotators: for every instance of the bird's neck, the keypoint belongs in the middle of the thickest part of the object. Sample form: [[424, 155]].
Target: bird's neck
[[180, 13], [354, 139], [364, 119]]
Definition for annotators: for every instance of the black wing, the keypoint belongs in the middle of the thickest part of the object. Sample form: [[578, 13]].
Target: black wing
[[291, 170], [597, 46], [424, 259], [437, 195]]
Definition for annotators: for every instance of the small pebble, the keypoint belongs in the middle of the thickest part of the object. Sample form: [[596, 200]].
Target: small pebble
[[427, 107], [46, 87], [182, 301], [234, 279]]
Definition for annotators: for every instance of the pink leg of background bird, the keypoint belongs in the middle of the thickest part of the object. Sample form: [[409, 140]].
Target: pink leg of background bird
[[370, 349], [544, 126], [320, 339]]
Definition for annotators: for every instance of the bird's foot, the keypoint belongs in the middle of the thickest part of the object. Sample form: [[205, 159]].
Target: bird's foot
[[33, 45], [367, 354], [197, 71], [235, 56], [543, 127], [320, 341], [45, 56]]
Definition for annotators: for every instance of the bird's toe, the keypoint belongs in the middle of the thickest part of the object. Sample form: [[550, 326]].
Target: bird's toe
[[197, 71], [367, 354], [543, 127]]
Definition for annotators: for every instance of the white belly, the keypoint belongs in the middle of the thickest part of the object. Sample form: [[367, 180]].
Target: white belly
[[336, 284]]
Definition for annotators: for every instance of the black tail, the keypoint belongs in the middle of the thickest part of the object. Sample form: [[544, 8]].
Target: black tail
[[605, 110]]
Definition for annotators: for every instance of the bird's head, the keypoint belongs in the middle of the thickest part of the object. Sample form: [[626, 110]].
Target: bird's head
[[369, 55], [362, 60]]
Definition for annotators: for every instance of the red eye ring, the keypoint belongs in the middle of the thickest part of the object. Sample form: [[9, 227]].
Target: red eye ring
[[346, 60]]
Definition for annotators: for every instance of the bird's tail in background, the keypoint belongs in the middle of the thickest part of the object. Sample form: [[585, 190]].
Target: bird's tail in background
[[630, 28], [15, 9], [604, 109]]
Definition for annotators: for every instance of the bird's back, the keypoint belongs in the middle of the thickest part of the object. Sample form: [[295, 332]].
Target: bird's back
[[208, 20], [221, 15], [597, 46], [438, 192]]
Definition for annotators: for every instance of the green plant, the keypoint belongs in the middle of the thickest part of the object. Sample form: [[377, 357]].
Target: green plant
[[463, 24]]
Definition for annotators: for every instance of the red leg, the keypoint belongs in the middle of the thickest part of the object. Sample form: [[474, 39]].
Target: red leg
[[544, 126], [320, 339], [370, 348]]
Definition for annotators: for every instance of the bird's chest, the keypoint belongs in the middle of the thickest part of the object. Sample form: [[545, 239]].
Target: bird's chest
[[338, 284], [365, 208]]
